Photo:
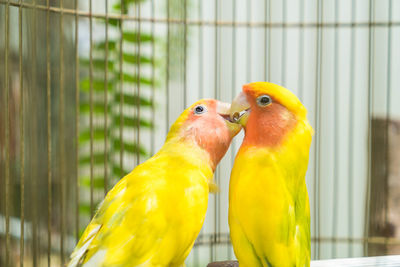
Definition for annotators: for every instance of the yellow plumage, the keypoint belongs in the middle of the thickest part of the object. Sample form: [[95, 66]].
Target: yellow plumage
[[269, 213], [153, 215]]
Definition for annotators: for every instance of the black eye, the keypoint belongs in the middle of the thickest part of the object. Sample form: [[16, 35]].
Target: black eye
[[200, 109], [264, 100]]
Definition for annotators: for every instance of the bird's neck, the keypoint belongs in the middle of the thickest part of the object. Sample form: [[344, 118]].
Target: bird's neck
[[190, 151]]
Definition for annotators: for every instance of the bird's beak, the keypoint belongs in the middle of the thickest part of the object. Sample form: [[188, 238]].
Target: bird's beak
[[223, 109], [240, 109]]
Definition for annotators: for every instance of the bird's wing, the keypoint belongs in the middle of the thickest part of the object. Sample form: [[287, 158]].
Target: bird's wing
[[127, 226], [302, 236]]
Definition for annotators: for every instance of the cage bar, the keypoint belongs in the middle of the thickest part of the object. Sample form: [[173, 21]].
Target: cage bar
[[301, 53], [248, 38], [371, 53], [34, 150], [153, 86], [49, 138], [77, 101], [91, 110], [317, 151], [284, 46], [62, 139], [221, 23], [106, 158], [121, 87], [336, 130], [351, 125], [7, 134], [21, 140], [138, 32]]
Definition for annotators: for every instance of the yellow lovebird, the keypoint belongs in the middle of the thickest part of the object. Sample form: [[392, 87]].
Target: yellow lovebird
[[153, 215], [269, 213]]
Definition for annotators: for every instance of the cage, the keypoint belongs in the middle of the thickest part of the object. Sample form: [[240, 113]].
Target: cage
[[90, 88]]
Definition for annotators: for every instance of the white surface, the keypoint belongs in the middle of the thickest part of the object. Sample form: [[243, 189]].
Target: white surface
[[354, 262]]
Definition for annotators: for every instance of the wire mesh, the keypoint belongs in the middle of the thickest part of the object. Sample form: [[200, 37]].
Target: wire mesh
[[85, 102]]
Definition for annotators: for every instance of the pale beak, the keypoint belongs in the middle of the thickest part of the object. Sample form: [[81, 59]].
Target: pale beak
[[240, 109], [223, 109]]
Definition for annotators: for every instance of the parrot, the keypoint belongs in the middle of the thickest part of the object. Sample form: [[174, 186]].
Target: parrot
[[153, 215], [269, 212]]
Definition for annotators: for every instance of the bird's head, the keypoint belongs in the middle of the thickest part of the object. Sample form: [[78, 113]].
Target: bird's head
[[207, 123], [267, 112]]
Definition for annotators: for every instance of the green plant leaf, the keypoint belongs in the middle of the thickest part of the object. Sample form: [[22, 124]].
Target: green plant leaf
[[98, 158], [98, 64], [102, 45], [118, 172], [98, 134], [132, 100], [114, 22], [98, 107], [84, 208], [98, 182], [132, 37], [133, 79], [131, 122], [129, 147], [98, 85], [133, 59], [127, 3]]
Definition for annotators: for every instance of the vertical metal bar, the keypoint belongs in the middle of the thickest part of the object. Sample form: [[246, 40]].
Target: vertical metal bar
[[388, 94], [201, 84], [62, 137], [336, 132], [137, 6], [49, 154], [351, 125], [22, 135], [7, 135], [301, 51], [153, 118], [233, 77], [34, 149], [91, 108], [167, 69], [371, 61], [106, 103], [77, 189], [317, 151], [216, 96], [284, 45], [185, 53], [196, 255], [121, 96], [267, 41], [248, 39], [233, 74]]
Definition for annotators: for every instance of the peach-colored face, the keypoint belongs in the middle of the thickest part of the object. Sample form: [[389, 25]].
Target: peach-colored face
[[265, 120], [267, 126], [209, 125]]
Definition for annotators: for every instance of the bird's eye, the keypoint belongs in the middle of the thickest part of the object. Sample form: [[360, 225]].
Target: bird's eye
[[200, 109], [264, 100]]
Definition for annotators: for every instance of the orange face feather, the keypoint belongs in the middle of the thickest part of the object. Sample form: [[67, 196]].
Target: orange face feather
[[211, 130], [267, 126]]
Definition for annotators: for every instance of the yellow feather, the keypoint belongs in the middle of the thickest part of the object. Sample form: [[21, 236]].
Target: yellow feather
[[153, 215], [269, 213]]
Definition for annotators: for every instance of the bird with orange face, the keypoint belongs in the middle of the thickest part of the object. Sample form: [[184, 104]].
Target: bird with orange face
[[269, 213], [153, 215]]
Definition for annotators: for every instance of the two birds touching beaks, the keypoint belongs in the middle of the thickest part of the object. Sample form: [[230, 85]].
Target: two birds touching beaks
[[152, 216]]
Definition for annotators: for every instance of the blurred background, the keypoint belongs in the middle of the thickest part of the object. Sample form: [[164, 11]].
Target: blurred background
[[90, 88]]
